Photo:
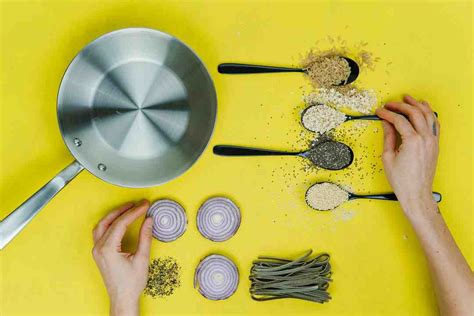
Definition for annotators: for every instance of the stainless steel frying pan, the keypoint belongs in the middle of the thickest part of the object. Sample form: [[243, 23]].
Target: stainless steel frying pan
[[136, 108]]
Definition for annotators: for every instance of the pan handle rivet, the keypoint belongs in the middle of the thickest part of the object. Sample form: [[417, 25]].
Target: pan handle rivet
[[102, 167], [77, 142]]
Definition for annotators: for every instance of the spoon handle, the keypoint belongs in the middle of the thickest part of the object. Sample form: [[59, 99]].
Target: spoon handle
[[229, 150], [230, 68], [364, 117], [370, 117], [389, 196]]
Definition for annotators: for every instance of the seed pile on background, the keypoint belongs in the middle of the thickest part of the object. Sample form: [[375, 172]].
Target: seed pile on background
[[362, 101], [163, 277]]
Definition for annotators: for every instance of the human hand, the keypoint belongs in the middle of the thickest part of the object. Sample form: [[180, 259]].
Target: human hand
[[125, 274], [411, 167]]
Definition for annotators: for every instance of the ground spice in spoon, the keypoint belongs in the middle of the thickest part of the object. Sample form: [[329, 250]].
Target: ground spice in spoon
[[163, 277], [325, 196]]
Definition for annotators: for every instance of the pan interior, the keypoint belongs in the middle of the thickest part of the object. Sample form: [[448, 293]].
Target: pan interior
[[136, 107]]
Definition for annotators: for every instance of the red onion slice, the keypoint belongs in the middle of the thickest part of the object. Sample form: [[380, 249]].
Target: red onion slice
[[218, 219], [216, 277], [169, 220]]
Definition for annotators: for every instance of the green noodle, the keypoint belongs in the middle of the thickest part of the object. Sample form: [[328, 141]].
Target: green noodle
[[304, 278]]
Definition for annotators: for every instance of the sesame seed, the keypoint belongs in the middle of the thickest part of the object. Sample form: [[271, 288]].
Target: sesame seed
[[326, 196]]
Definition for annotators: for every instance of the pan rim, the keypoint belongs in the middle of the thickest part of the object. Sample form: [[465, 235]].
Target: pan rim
[[213, 97]]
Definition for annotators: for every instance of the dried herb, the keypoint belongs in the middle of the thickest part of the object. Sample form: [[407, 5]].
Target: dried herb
[[163, 277]]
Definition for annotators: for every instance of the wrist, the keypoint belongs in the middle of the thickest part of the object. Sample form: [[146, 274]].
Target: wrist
[[125, 306], [420, 206]]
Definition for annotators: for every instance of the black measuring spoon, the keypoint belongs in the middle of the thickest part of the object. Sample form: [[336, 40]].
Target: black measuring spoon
[[318, 154], [353, 196], [371, 117], [347, 117], [238, 69], [386, 196], [368, 117]]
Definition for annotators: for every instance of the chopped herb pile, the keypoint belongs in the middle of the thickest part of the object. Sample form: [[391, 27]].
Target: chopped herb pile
[[163, 277]]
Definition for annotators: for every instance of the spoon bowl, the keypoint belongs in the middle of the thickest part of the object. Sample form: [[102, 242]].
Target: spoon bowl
[[354, 71], [323, 155]]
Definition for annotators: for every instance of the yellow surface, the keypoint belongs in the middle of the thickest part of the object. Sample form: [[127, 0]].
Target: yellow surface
[[425, 49]]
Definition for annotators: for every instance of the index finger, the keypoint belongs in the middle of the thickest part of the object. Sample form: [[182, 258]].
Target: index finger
[[105, 222], [412, 113], [117, 229], [402, 125]]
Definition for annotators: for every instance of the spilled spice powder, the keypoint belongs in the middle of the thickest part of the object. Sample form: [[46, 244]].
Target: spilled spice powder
[[163, 277]]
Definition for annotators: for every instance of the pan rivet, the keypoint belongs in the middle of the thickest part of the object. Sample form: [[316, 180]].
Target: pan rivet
[[102, 167], [77, 142]]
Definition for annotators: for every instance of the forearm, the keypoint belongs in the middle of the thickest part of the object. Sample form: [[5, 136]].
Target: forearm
[[452, 277]]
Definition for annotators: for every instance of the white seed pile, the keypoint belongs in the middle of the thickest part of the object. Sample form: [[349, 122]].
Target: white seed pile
[[361, 101], [321, 118], [325, 196]]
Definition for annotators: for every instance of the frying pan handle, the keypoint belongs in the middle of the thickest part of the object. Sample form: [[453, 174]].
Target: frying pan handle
[[11, 225]]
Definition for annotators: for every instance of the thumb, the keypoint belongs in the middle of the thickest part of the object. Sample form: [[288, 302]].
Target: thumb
[[144, 241]]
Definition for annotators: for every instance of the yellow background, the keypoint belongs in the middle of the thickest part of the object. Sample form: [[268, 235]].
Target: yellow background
[[379, 268]]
